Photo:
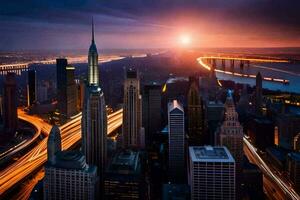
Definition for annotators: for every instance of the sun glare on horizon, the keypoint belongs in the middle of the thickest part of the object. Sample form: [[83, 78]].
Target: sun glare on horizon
[[185, 40]]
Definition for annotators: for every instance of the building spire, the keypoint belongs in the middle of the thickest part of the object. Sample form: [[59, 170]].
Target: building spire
[[93, 37]]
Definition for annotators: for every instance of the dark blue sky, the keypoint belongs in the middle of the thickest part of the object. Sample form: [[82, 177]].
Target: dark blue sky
[[65, 24]]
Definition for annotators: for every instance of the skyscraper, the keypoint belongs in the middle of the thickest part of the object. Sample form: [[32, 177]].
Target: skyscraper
[[258, 94], [124, 178], [10, 104], [61, 84], [211, 173], [151, 111], [195, 113], [94, 118], [67, 175], [66, 88], [176, 140], [31, 87], [71, 100], [231, 136], [132, 113]]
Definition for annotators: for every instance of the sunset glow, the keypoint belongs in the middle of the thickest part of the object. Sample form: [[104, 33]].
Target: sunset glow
[[185, 40]]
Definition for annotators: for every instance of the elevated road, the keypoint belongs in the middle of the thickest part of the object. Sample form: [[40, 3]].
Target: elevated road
[[247, 59], [34, 159], [271, 179], [39, 126], [201, 61]]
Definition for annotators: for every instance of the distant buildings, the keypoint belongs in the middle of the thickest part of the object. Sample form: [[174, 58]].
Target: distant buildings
[[288, 128], [195, 113], [31, 87], [66, 88], [261, 132], [151, 111], [132, 113], [231, 135], [211, 173], [67, 175], [42, 93], [176, 192], [214, 116], [124, 179], [293, 168], [258, 94], [176, 140], [252, 187], [94, 116], [10, 116]]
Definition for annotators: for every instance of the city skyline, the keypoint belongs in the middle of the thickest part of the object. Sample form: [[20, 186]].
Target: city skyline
[[189, 116]]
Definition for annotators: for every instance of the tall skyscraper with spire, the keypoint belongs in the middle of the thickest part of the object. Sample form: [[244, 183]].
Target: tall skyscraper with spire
[[94, 119]]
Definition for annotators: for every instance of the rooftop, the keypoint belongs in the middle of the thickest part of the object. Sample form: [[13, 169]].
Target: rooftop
[[210, 154], [175, 104], [125, 162], [71, 160]]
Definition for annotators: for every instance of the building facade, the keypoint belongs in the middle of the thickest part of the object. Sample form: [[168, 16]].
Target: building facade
[[195, 113], [124, 178], [288, 128], [132, 111], [151, 111], [211, 173], [176, 140], [66, 88], [231, 135], [10, 116], [67, 175], [31, 87]]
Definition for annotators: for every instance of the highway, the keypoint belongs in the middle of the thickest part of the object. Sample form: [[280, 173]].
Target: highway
[[270, 178], [35, 158], [39, 125]]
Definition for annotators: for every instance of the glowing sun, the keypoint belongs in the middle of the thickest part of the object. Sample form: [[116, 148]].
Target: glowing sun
[[185, 40]]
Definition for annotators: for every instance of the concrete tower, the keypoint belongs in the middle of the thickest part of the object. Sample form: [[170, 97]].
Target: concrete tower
[[10, 115], [195, 113], [176, 140], [94, 118], [132, 110], [31, 87]]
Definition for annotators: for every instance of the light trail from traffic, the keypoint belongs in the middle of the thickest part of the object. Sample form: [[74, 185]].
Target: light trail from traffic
[[39, 125], [34, 159], [285, 187]]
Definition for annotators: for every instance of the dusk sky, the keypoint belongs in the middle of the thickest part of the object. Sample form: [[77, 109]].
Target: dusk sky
[[58, 24]]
